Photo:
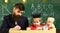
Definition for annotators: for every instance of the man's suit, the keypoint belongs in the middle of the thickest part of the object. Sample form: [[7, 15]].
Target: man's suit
[[9, 22]]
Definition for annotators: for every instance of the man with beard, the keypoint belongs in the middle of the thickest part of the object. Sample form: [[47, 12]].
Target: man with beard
[[15, 20]]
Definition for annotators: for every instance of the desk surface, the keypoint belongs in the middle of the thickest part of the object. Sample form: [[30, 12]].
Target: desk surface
[[33, 31]]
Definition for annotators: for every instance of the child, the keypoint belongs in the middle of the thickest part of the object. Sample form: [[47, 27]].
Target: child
[[49, 24], [36, 22], [50, 21]]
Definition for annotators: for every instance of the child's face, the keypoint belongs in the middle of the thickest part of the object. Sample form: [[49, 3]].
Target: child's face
[[36, 21], [49, 22]]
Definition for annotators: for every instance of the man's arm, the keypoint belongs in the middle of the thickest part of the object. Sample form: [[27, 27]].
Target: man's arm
[[4, 27], [26, 22]]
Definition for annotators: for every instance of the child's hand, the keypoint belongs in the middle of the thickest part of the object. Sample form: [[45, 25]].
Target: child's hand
[[28, 28], [39, 28]]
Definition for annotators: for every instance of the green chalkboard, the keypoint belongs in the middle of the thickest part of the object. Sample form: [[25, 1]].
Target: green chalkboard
[[47, 8]]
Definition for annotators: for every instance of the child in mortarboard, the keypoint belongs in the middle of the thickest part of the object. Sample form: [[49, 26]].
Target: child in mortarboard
[[36, 22]]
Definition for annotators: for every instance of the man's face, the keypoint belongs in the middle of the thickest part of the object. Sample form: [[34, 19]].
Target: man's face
[[17, 11], [36, 21]]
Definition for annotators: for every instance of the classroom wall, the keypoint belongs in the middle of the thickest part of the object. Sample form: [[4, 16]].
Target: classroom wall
[[47, 8]]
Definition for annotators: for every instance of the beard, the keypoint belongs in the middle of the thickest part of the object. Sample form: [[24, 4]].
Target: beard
[[16, 17]]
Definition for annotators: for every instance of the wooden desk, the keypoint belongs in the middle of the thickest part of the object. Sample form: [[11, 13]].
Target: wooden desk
[[33, 31]]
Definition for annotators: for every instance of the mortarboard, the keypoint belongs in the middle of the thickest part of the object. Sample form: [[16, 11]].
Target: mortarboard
[[37, 15]]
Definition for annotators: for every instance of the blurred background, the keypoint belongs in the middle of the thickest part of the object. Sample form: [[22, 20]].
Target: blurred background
[[47, 8]]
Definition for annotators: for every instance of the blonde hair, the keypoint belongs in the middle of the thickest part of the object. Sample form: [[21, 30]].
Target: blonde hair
[[51, 19]]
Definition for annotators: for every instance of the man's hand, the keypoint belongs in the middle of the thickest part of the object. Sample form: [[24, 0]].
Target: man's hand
[[17, 27]]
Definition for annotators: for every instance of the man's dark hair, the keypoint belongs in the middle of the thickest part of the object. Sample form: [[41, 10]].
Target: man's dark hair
[[20, 6]]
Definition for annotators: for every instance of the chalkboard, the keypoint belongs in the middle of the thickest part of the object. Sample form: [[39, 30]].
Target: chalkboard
[[47, 8]]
